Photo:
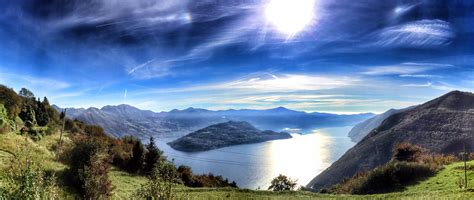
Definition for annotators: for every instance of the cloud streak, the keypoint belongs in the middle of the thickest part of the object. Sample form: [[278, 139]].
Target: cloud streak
[[405, 69]]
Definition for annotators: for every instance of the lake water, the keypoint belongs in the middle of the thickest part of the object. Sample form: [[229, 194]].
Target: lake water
[[255, 165]]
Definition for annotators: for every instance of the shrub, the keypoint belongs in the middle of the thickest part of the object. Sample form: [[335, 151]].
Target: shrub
[[205, 180], [387, 178], [282, 183], [407, 152], [96, 183], [161, 183], [88, 167], [93, 130], [6, 124], [186, 175]]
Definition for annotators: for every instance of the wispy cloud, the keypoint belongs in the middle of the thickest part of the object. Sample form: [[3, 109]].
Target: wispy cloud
[[422, 34], [405, 69], [420, 76], [290, 82], [428, 84]]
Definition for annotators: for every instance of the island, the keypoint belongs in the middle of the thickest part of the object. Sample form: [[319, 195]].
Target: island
[[223, 135]]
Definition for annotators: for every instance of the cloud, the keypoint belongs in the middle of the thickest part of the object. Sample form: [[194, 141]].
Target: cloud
[[289, 82], [405, 69], [419, 34], [428, 84], [420, 76]]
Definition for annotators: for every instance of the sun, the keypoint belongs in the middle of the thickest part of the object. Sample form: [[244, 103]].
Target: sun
[[290, 16]]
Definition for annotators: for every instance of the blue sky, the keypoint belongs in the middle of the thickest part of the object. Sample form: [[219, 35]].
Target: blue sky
[[344, 56]]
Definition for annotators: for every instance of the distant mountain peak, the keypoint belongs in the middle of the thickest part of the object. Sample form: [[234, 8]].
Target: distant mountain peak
[[120, 106], [280, 108], [189, 110]]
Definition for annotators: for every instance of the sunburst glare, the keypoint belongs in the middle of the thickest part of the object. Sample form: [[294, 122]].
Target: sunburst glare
[[290, 17]]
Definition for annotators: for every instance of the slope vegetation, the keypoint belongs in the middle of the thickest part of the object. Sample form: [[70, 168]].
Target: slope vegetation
[[442, 125]]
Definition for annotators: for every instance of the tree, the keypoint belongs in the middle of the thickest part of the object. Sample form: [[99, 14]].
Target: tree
[[41, 113], [10, 100], [136, 161], [152, 156], [282, 183], [26, 93], [27, 114]]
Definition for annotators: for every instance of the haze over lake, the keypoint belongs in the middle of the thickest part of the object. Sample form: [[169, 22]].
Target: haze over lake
[[254, 165]]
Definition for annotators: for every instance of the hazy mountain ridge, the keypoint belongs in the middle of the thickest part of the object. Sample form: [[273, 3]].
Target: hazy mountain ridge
[[360, 130], [125, 119], [440, 125], [224, 134]]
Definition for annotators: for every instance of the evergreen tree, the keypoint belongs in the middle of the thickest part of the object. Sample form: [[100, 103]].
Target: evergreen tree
[[27, 114], [46, 102], [136, 162], [41, 113], [152, 156]]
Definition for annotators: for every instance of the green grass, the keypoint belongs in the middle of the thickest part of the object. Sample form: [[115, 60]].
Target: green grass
[[441, 186], [10, 144], [125, 183], [445, 180]]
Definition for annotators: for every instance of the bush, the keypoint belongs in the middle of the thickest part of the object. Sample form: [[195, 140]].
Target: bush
[[188, 179], [96, 183], [407, 152], [388, 178], [161, 183], [282, 183], [6, 124], [88, 167]]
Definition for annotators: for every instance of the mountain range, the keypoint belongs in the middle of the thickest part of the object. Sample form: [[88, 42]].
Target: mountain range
[[224, 134], [443, 125], [124, 119]]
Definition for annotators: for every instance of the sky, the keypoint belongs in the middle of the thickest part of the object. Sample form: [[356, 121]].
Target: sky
[[344, 56]]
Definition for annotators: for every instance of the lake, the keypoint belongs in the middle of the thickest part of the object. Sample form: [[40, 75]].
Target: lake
[[253, 166]]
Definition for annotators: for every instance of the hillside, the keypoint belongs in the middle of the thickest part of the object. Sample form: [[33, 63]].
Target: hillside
[[125, 119], [360, 130], [441, 186], [224, 134], [441, 125]]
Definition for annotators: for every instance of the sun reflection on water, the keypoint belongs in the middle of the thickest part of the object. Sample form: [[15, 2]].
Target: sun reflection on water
[[313, 149]]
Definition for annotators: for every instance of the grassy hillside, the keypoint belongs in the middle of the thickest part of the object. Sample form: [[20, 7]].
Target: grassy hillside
[[441, 186]]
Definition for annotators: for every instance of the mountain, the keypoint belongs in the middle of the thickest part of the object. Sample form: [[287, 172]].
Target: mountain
[[123, 120], [441, 125], [224, 134], [360, 130]]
